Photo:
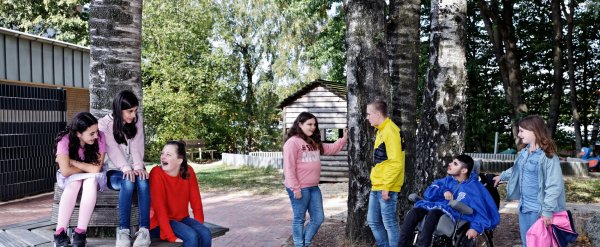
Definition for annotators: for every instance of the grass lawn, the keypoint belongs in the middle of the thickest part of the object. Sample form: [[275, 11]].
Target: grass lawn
[[584, 190], [229, 178]]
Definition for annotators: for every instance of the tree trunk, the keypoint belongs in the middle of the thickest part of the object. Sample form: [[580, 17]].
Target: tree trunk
[[573, 93], [403, 54], [596, 121], [554, 111], [499, 26], [442, 125], [115, 52], [366, 62], [250, 99]]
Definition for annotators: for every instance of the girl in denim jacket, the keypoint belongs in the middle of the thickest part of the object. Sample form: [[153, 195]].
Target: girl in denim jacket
[[536, 177]]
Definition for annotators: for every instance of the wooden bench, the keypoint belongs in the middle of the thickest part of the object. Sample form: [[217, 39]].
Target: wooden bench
[[105, 218], [197, 146]]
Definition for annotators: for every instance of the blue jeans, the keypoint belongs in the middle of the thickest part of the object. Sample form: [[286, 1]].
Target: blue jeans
[[126, 188], [381, 217], [311, 200], [526, 220], [192, 232]]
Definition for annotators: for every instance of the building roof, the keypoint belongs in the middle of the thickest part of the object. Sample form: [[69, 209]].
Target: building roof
[[336, 88], [14, 33]]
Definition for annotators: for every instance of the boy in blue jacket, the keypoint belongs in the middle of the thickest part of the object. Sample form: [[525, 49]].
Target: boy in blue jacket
[[462, 185]]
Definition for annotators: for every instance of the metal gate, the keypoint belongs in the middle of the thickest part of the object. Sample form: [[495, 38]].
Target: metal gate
[[30, 119]]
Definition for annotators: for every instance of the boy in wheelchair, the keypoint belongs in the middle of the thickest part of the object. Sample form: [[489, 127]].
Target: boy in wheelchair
[[461, 197]]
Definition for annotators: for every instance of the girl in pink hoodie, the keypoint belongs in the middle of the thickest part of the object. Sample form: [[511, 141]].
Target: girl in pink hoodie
[[302, 170]]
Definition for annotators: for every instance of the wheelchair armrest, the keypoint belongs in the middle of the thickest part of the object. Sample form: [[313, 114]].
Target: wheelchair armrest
[[461, 207], [413, 197]]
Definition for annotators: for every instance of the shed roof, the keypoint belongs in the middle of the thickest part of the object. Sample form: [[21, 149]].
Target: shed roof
[[336, 88]]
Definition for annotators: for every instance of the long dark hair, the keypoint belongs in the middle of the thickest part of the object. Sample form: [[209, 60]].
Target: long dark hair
[[183, 170], [536, 124], [315, 139], [80, 123], [122, 131]]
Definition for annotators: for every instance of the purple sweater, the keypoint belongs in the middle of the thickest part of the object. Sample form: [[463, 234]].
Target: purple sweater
[[121, 156], [302, 163]]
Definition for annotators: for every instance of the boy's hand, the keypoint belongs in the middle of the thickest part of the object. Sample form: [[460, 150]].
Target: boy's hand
[[385, 195], [448, 195], [471, 234]]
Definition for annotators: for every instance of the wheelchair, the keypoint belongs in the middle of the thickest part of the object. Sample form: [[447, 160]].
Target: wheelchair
[[449, 234]]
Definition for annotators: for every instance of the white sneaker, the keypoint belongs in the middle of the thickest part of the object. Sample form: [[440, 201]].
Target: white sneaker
[[123, 238], [142, 238]]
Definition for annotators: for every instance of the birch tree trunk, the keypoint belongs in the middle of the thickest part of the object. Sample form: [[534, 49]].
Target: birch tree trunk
[[557, 54], [366, 63], [441, 127], [115, 52], [403, 58]]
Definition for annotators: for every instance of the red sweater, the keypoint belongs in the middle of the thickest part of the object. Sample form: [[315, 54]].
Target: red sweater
[[169, 200]]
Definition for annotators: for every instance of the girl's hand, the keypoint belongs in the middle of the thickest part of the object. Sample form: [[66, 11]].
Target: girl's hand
[[547, 220], [496, 180], [178, 240], [142, 173], [345, 132], [129, 175], [297, 195]]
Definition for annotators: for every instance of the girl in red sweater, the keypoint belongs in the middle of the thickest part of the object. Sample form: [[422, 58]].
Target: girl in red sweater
[[173, 186]]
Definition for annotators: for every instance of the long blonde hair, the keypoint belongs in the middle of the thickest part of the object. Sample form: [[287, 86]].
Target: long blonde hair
[[536, 124]]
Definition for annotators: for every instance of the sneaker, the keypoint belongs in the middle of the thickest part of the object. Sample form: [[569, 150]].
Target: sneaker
[[123, 238], [142, 238], [79, 239], [61, 240]]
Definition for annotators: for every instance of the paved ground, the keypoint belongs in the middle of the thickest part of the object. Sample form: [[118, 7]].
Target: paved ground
[[253, 220]]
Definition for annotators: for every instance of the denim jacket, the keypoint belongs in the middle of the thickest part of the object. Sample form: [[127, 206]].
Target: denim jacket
[[551, 194]]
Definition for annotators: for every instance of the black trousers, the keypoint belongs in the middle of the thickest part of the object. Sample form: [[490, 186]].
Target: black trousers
[[411, 220]]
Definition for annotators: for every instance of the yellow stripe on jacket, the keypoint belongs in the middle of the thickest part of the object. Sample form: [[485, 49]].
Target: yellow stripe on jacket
[[389, 173]]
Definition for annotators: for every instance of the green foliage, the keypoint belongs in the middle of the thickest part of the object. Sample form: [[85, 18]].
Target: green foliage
[[227, 178], [182, 77], [64, 20], [487, 106]]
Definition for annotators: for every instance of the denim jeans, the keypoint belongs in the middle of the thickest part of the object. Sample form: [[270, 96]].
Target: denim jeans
[[192, 232], [126, 188], [382, 220], [526, 220], [312, 201]]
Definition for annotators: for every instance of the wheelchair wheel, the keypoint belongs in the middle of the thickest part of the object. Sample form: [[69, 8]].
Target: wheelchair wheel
[[483, 240]]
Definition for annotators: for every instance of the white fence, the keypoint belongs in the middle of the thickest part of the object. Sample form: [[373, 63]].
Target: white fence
[[253, 160], [267, 154]]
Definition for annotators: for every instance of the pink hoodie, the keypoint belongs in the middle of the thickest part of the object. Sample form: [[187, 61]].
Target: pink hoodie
[[302, 163], [539, 235]]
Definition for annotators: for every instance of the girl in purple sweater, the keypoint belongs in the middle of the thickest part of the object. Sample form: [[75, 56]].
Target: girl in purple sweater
[[302, 170], [125, 153]]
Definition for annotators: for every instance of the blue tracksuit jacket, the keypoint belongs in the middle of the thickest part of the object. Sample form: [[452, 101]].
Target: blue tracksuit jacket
[[470, 192]]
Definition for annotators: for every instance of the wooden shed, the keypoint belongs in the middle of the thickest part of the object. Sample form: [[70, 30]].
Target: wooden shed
[[327, 101]]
